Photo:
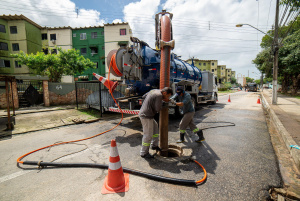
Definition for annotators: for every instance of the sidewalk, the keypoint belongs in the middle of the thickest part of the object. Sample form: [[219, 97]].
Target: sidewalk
[[43, 118], [284, 130]]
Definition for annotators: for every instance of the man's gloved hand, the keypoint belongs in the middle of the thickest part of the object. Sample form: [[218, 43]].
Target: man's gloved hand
[[173, 101]]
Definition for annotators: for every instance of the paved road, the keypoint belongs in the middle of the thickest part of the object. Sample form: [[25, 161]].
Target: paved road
[[239, 160]]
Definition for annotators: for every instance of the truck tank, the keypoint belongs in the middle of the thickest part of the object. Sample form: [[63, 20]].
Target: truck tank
[[139, 67]]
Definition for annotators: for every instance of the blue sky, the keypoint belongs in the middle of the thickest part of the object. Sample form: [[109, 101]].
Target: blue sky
[[204, 29]]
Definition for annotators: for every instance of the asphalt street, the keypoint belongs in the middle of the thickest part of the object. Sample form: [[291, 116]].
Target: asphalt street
[[239, 160]]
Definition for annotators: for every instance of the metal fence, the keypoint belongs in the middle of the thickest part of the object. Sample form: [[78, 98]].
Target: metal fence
[[89, 94]]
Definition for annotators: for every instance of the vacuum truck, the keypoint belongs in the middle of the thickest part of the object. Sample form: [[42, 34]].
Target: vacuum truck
[[138, 67]]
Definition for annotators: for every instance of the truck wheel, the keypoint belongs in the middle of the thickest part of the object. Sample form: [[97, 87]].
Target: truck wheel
[[215, 100]]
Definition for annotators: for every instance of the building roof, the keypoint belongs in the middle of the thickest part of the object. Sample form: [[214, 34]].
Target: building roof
[[19, 17], [200, 60], [56, 28], [90, 27], [113, 24]]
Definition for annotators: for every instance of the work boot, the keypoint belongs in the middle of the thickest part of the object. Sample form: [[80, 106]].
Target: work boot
[[147, 155], [156, 148], [181, 138], [200, 136]]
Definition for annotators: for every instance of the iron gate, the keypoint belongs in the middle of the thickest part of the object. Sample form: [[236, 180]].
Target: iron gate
[[30, 92], [89, 94]]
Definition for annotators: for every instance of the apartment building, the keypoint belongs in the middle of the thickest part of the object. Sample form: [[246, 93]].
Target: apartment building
[[221, 71], [17, 33]]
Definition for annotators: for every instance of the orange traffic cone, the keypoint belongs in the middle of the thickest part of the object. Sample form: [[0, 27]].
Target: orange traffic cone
[[112, 84], [116, 181], [229, 99], [258, 100]]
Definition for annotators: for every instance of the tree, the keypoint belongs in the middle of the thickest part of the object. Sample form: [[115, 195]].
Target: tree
[[248, 79], [66, 62], [233, 80], [288, 57]]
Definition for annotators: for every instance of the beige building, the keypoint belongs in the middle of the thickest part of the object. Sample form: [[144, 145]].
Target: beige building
[[222, 73], [56, 37], [116, 35], [228, 74], [233, 74], [205, 65]]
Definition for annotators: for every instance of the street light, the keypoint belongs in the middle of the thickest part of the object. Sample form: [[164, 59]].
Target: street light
[[240, 25], [275, 51]]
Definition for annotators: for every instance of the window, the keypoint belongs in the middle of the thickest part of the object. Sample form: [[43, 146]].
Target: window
[[54, 51], [103, 62], [122, 32], [199, 64], [74, 35], [17, 65], [4, 63], [102, 33], [52, 36], [45, 50], [2, 28], [3, 46], [15, 46], [212, 70], [83, 36], [94, 50], [83, 51], [94, 34], [204, 69], [222, 68], [103, 47], [96, 65], [44, 36], [212, 64], [204, 64], [13, 30]]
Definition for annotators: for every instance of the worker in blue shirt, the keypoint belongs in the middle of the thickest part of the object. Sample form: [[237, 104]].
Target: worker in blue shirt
[[184, 100]]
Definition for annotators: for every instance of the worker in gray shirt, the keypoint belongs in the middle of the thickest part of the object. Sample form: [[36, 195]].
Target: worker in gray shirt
[[152, 105], [185, 100]]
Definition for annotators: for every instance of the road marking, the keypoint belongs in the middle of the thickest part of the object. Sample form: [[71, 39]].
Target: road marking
[[22, 172]]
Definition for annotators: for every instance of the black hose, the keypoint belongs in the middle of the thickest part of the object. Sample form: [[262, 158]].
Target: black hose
[[183, 182]]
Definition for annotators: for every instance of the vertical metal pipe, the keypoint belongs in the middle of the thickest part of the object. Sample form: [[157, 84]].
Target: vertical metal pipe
[[76, 95], [164, 82], [12, 97], [100, 100], [7, 103]]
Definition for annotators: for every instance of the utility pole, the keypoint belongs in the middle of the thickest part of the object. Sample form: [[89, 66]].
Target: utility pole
[[275, 50]]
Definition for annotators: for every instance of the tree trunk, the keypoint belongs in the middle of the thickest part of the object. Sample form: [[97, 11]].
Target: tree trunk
[[296, 84]]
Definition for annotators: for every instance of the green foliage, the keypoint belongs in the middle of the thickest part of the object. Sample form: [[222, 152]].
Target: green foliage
[[233, 80], [248, 79], [66, 62], [227, 85]]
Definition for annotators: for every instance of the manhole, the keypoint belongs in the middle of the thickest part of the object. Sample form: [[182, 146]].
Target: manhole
[[176, 153]]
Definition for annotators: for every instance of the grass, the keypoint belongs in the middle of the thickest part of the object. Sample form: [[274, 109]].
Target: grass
[[228, 91], [91, 112]]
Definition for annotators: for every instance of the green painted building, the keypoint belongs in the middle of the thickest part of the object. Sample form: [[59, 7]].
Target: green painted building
[[90, 42], [17, 33]]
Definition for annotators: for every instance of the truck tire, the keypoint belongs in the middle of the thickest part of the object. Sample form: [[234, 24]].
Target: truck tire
[[215, 99]]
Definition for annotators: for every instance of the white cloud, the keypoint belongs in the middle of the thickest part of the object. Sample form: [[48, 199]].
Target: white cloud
[[140, 15], [53, 13], [117, 21], [206, 29]]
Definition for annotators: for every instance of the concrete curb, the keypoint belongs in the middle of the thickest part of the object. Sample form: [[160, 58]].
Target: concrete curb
[[286, 137], [4, 134]]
